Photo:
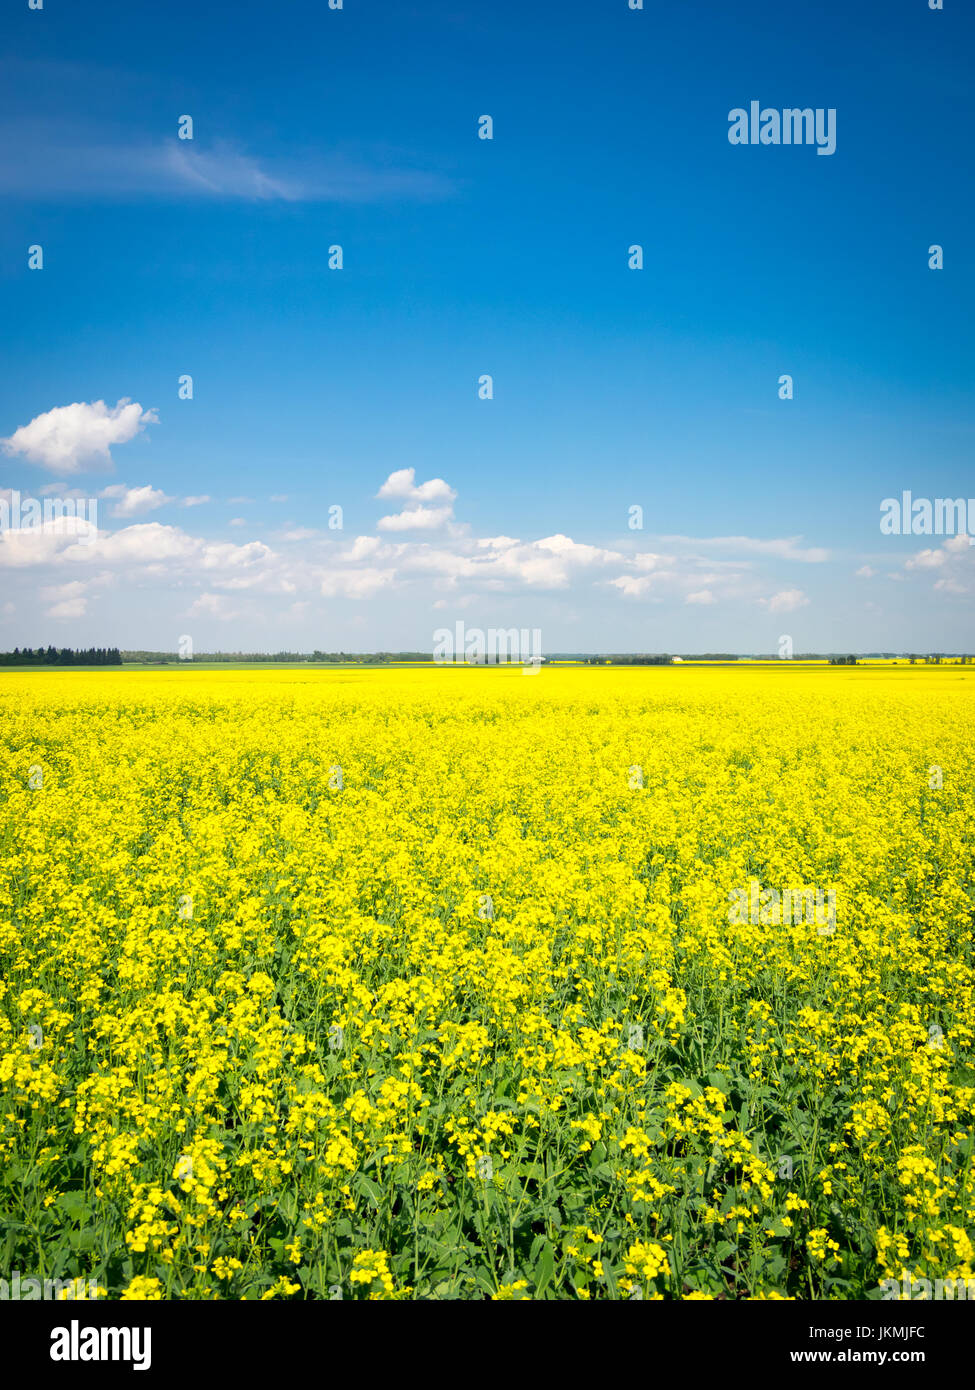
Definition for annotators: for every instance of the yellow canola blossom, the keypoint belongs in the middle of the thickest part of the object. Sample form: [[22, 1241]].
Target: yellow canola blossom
[[370, 984]]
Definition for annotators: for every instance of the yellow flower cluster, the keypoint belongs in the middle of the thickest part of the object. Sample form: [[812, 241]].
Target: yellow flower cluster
[[475, 1018]]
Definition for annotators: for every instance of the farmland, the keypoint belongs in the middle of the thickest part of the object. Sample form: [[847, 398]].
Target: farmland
[[431, 983]]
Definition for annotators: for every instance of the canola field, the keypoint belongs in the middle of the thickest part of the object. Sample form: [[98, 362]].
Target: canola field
[[438, 983]]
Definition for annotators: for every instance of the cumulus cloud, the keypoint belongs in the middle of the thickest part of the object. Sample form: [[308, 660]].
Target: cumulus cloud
[[73, 438], [451, 566], [633, 585], [133, 500], [416, 519], [47, 543], [557, 562], [952, 549], [224, 555], [496, 543], [402, 486], [363, 547], [146, 543], [954, 561]]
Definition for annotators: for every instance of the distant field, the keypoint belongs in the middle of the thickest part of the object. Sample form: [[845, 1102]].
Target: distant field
[[587, 983]]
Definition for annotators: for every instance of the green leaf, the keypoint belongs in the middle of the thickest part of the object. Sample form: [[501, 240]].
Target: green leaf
[[545, 1267]]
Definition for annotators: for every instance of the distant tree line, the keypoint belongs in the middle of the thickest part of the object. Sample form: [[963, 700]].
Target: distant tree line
[[935, 659], [365, 658], [113, 657], [629, 659], [62, 656]]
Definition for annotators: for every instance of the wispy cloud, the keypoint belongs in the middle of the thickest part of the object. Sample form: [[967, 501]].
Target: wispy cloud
[[45, 160], [785, 548], [785, 601]]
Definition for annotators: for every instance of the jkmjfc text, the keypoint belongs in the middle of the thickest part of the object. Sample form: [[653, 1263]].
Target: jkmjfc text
[[838, 1334]]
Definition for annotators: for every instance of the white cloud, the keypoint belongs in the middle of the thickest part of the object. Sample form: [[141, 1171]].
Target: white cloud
[[402, 486], [956, 557], [59, 490], [453, 567], [224, 555], [213, 606], [70, 600], [865, 572], [786, 548], [143, 544], [356, 584], [63, 535], [785, 601], [365, 546], [575, 552], [496, 543], [71, 438], [632, 585], [74, 589], [952, 549], [57, 159], [225, 172], [194, 501], [68, 608], [647, 560], [416, 519], [133, 500]]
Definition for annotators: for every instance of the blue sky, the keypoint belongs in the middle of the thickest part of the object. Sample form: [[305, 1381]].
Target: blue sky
[[612, 387]]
